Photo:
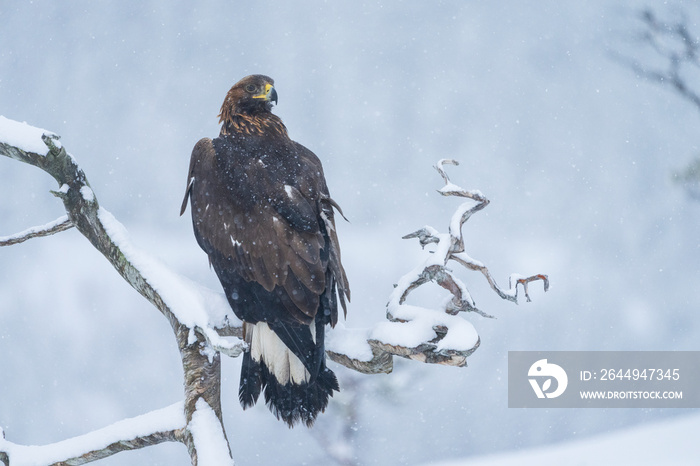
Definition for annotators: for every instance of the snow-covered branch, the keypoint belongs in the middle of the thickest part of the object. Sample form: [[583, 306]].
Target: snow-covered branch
[[195, 313], [163, 425], [429, 335], [60, 224], [205, 327]]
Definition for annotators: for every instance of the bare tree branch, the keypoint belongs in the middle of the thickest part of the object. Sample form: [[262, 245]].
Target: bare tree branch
[[656, 35], [673, 43], [380, 363]]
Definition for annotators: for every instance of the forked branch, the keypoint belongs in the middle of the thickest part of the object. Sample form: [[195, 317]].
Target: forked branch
[[436, 335], [456, 251], [675, 45]]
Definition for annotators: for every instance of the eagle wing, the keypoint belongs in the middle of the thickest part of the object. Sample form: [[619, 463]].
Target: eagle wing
[[272, 244], [327, 204]]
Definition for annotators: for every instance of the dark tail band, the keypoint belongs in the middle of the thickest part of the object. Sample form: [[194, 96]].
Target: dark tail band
[[290, 402]]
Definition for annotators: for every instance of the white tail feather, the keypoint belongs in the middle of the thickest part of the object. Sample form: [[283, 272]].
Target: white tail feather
[[265, 345]]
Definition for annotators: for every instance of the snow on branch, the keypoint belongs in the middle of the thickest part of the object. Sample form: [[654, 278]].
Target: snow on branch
[[429, 335], [196, 314], [163, 425], [210, 440], [23, 137], [180, 300], [60, 224]]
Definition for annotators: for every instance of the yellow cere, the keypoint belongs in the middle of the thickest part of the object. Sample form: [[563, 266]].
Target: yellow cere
[[264, 94]]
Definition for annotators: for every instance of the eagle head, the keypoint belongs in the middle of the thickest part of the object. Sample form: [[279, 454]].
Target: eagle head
[[249, 96]]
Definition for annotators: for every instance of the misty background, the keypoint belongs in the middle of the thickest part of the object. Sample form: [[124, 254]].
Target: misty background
[[574, 152]]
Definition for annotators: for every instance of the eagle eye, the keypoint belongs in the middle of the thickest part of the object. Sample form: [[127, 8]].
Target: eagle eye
[[250, 88]]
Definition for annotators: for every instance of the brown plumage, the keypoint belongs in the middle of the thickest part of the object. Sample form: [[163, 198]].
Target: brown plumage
[[262, 212]]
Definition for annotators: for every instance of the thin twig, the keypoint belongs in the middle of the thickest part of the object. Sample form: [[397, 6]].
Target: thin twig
[[60, 224], [655, 30], [525, 281]]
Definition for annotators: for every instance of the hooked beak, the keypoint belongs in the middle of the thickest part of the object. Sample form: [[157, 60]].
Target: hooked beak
[[272, 95], [269, 94]]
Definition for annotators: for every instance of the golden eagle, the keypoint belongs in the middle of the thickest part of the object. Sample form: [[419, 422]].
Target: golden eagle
[[262, 212]]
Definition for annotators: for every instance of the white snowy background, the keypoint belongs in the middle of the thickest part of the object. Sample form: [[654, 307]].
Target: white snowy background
[[574, 152]]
